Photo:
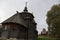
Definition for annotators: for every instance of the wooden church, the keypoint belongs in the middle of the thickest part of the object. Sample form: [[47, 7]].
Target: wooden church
[[20, 26]]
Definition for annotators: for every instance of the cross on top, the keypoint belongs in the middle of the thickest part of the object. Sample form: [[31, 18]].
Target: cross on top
[[26, 4]]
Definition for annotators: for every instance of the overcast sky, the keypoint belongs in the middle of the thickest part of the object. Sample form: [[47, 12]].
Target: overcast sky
[[39, 9]]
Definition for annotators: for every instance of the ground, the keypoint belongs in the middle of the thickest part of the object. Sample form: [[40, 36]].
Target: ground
[[44, 38]]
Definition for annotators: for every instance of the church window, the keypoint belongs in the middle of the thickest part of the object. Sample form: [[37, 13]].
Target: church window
[[6, 27]]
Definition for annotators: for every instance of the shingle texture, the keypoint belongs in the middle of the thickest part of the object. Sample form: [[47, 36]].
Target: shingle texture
[[16, 19]]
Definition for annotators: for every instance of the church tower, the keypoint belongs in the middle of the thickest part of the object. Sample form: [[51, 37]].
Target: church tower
[[31, 24]]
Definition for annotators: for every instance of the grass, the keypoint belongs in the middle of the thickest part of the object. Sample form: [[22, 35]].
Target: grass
[[44, 38]]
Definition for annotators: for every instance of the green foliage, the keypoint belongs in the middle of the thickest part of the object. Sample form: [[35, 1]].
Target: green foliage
[[53, 21], [44, 38], [53, 13]]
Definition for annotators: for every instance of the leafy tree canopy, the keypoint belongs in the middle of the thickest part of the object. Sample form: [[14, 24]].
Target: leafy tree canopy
[[53, 20]]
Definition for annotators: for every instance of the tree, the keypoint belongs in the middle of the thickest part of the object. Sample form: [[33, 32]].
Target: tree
[[53, 21]]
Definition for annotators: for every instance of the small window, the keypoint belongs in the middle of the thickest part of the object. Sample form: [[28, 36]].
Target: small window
[[6, 27]]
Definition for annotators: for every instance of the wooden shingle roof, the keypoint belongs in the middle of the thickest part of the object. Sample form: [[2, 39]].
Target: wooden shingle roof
[[16, 19]]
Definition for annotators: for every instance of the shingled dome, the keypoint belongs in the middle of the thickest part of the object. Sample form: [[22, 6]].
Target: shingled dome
[[15, 19]]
